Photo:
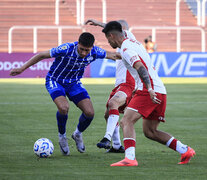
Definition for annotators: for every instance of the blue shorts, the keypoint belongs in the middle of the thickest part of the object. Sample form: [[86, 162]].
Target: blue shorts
[[74, 91]]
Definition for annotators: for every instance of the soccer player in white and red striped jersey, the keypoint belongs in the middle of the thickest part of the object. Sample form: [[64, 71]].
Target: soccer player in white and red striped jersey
[[119, 97], [149, 100]]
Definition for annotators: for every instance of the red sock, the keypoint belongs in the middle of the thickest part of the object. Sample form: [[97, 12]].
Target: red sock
[[173, 144], [113, 111], [129, 142]]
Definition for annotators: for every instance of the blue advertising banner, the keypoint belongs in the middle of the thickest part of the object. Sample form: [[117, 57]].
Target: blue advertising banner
[[168, 64]]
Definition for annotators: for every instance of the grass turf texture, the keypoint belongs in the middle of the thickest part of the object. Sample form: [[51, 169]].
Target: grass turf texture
[[27, 113]]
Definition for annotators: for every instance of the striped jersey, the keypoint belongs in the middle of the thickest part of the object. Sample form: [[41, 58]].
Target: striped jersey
[[122, 74], [133, 51], [68, 66]]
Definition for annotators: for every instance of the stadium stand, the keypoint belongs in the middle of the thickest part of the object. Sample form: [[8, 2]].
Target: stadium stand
[[137, 13], [192, 5], [28, 12]]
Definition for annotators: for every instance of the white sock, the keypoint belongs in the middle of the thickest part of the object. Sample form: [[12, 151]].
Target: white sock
[[181, 148], [77, 131], [130, 153], [111, 124], [116, 142], [169, 141]]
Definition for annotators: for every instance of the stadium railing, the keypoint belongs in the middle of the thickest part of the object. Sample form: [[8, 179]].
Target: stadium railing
[[35, 28], [80, 11], [57, 12], [178, 37], [153, 28], [83, 11], [204, 13]]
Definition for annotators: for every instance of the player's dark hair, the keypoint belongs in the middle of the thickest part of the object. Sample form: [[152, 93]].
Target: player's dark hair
[[86, 39], [112, 26]]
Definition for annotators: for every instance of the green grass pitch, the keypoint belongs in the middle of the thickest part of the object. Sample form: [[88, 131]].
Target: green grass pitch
[[27, 113]]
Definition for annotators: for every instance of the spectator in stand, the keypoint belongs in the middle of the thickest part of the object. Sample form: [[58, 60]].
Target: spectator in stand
[[150, 46]]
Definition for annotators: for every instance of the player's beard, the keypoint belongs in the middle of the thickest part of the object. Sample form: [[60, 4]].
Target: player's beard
[[114, 46]]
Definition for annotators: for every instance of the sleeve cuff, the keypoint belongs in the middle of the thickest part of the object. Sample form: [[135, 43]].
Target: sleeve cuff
[[135, 62]]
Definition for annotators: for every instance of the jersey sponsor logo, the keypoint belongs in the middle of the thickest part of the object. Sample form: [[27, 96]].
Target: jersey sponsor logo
[[90, 58], [62, 48]]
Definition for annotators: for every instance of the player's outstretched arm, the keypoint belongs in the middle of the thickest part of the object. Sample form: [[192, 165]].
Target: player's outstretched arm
[[35, 59], [113, 55], [94, 22]]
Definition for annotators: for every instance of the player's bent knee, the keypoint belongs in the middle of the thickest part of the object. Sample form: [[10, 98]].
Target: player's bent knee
[[149, 133], [63, 109], [112, 104], [89, 113], [123, 122]]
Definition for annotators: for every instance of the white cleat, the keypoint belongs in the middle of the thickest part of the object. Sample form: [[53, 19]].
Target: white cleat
[[63, 142], [79, 142]]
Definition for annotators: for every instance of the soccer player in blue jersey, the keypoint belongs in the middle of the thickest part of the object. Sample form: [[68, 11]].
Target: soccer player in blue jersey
[[63, 79]]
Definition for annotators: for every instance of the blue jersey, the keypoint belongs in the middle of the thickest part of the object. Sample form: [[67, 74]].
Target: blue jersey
[[68, 66]]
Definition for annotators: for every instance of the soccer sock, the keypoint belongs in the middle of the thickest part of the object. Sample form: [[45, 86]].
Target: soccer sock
[[61, 122], [129, 145], [84, 122], [116, 142], [77, 131], [111, 123], [177, 145]]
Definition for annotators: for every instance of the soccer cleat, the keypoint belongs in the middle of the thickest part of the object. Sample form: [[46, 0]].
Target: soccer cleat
[[126, 162], [104, 143], [63, 142], [112, 150], [79, 142], [186, 157]]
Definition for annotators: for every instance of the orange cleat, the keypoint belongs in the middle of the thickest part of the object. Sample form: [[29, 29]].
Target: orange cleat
[[126, 162], [186, 157]]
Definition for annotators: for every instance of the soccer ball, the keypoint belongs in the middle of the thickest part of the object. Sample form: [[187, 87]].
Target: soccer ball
[[43, 147]]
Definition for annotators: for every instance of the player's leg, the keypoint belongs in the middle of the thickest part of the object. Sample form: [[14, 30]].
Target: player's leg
[[116, 141], [62, 113], [62, 116], [57, 93], [80, 97], [118, 99], [150, 129], [127, 124], [85, 119], [106, 114]]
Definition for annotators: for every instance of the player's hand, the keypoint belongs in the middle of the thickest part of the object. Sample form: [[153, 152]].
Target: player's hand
[[92, 22], [16, 71], [153, 97]]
